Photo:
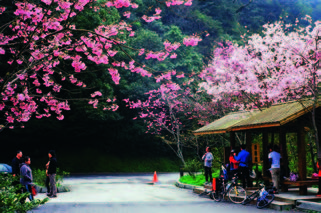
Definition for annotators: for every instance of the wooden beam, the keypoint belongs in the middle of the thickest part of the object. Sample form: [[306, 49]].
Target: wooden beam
[[302, 158], [250, 127], [284, 159], [210, 132]]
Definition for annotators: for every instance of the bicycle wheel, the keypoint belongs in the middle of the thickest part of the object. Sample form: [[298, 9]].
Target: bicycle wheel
[[237, 194], [250, 197], [261, 203]]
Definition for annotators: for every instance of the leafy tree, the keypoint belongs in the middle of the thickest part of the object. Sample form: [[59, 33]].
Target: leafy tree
[[47, 48]]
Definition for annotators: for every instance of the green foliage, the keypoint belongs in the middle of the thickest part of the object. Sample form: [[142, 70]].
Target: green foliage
[[197, 180], [192, 167], [106, 162], [260, 168], [39, 177], [10, 201]]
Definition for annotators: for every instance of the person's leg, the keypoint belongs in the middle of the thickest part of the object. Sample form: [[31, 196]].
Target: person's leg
[[28, 189], [278, 178], [206, 173], [275, 173], [47, 185], [210, 174], [53, 188], [248, 179], [242, 175]]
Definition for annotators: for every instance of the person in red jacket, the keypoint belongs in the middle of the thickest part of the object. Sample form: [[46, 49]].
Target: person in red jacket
[[234, 164]]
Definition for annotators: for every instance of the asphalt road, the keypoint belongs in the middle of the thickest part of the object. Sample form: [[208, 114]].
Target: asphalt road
[[131, 193]]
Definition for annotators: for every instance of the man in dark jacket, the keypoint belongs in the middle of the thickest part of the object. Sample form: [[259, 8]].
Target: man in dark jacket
[[52, 170], [16, 164]]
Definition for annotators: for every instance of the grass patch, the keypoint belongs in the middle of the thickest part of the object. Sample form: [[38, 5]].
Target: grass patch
[[199, 179]]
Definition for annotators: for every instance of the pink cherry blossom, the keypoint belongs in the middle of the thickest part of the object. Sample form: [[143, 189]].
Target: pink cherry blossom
[[191, 41], [97, 93]]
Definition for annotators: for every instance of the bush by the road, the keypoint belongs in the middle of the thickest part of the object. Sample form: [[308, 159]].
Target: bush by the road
[[10, 200], [39, 177]]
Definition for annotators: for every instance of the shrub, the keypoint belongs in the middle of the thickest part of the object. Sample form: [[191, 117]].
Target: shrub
[[39, 177], [197, 180], [10, 200], [193, 166]]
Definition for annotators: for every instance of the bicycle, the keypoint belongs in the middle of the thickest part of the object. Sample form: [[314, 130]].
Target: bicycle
[[236, 194], [264, 197]]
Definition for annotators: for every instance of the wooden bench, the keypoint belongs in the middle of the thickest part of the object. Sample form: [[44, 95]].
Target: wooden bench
[[302, 184]]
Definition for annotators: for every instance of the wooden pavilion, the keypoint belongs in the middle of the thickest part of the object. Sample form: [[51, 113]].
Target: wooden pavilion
[[290, 117]]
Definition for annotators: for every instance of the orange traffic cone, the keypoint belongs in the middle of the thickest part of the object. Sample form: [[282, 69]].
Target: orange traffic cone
[[155, 180]]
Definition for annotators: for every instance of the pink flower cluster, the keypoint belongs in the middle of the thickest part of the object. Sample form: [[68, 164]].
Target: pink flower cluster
[[52, 45], [191, 40]]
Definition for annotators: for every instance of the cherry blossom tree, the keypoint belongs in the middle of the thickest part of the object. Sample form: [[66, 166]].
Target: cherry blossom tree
[[174, 109], [281, 64], [42, 51]]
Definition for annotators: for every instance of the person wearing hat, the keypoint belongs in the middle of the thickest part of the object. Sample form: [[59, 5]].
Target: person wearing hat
[[208, 158], [52, 170], [234, 164]]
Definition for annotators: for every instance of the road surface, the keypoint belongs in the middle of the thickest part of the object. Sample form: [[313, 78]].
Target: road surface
[[131, 193]]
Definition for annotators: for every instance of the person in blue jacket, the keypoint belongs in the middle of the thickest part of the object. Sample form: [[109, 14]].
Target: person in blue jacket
[[244, 158]]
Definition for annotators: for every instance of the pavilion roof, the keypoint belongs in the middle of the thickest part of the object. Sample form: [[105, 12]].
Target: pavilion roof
[[273, 116]]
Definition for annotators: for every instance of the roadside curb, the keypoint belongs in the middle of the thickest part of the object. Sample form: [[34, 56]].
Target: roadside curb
[[186, 186]]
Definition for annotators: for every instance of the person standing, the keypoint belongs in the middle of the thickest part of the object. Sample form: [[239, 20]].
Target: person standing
[[274, 159], [47, 179], [208, 158], [234, 164], [52, 170], [16, 162], [15, 165], [26, 176], [244, 158]]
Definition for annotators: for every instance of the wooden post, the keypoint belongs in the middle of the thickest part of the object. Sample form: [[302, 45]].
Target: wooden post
[[265, 143], [249, 144], [284, 159], [227, 152], [249, 149], [302, 158], [232, 140]]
